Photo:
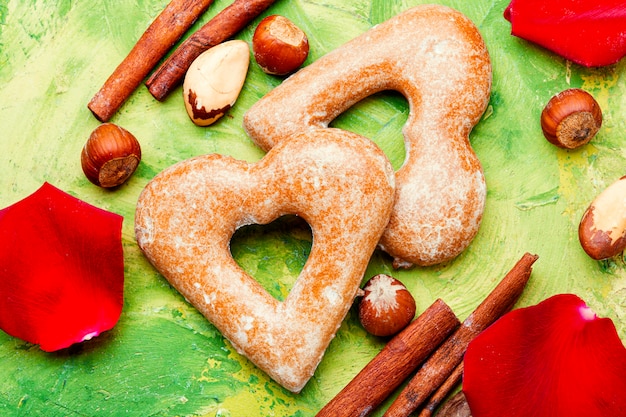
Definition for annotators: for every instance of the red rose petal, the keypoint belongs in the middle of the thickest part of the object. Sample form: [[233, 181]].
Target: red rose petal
[[61, 269], [550, 360], [590, 33]]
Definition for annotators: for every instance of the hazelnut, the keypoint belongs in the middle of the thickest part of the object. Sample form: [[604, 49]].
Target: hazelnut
[[571, 118], [279, 46], [602, 228], [214, 80], [386, 307], [110, 155]]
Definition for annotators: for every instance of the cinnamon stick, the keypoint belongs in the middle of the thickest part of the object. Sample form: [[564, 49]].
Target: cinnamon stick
[[156, 41], [442, 392], [223, 26], [392, 365], [449, 355]]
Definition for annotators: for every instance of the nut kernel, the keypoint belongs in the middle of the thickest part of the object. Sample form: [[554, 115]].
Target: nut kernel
[[214, 80], [602, 229]]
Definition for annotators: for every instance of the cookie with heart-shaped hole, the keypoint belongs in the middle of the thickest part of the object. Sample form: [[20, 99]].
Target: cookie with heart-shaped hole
[[340, 183], [436, 58]]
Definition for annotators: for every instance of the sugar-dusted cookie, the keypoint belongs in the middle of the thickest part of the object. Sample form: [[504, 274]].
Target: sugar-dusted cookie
[[436, 58], [340, 183]]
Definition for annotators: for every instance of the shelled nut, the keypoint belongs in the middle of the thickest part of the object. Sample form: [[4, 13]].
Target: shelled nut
[[214, 80]]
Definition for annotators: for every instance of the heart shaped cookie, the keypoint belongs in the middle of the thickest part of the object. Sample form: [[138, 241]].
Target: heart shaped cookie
[[435, 57], [340, 183]]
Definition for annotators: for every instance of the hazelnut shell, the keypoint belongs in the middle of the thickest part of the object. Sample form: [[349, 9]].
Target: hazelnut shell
[[571, 118], [279, 46], [387, 306], [110, 155]]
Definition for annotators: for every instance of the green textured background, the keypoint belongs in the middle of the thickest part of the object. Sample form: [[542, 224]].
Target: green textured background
[[163, 358]]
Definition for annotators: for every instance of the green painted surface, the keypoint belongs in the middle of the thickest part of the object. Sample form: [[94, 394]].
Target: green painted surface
[[163, 358]]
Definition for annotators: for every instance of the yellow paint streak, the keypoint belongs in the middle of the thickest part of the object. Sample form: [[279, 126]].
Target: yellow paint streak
[[261, 395], [599, 85], [602, 87], [569, 163], [205, 375], [256, 400], [245, 403]]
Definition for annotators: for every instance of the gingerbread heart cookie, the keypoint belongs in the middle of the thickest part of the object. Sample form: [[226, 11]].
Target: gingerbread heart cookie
[[339, 182], [436, 57]]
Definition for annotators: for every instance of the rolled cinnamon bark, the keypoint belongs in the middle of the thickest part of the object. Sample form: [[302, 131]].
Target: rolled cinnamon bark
[[169, 26], [398, 359], [224, 25]]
